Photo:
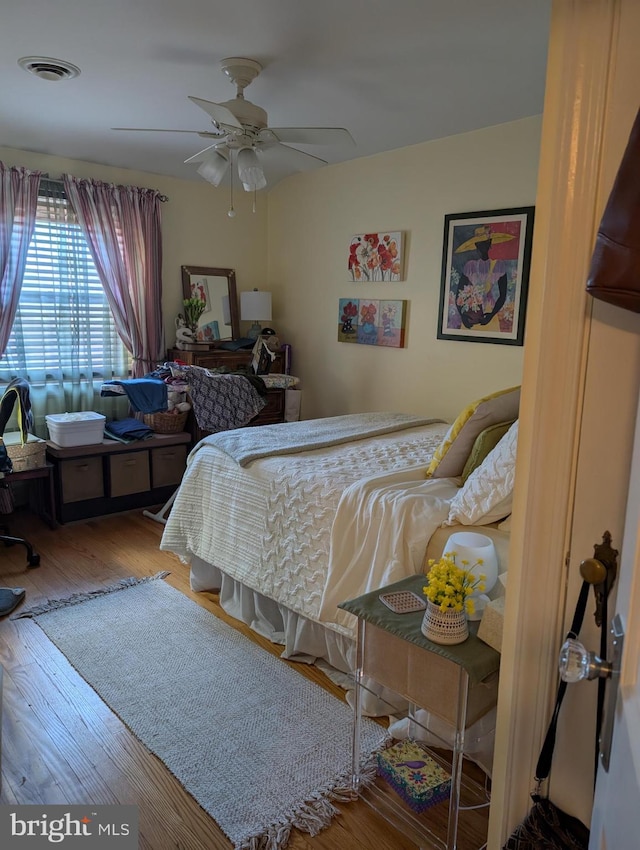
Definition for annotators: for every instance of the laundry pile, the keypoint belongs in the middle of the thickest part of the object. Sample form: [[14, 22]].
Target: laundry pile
[[158, 391]]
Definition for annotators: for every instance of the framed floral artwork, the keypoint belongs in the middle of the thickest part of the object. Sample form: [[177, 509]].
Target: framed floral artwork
[[372, 321], [376, 257], [485, 276]]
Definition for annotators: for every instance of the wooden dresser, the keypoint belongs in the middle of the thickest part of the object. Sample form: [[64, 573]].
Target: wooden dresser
[[216, 358]]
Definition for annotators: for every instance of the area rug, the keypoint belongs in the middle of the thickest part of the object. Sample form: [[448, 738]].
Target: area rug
[[260, 747]]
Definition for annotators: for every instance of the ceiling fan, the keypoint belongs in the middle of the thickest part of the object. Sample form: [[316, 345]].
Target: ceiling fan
[[241, 133]]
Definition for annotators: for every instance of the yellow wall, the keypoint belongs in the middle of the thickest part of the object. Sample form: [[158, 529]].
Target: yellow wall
[[301, 233], [196, 229], [312, 217]]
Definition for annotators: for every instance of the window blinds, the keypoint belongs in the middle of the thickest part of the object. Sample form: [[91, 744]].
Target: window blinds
[[63, 328]]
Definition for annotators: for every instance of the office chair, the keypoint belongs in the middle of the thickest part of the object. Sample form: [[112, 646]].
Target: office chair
[[33, 558], [17, 391]]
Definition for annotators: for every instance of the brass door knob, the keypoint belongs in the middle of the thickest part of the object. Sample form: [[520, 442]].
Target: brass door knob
[[593, 571]]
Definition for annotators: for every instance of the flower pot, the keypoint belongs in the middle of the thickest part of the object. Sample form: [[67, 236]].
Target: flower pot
[[445, 627]]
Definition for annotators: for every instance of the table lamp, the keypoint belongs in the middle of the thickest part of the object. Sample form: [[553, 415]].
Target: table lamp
[[471, 547], [255, 306]]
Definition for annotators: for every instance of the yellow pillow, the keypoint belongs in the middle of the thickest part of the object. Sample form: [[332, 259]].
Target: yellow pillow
[[485, 442], [451, 455]]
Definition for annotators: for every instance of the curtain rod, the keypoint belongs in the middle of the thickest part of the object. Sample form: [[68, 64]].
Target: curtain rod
[[60, 181]]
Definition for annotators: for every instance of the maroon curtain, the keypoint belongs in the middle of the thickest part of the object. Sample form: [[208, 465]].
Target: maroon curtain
[[122, 226], [18, 205]]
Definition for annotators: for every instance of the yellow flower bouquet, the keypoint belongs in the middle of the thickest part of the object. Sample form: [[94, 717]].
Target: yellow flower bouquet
[[450, 586]]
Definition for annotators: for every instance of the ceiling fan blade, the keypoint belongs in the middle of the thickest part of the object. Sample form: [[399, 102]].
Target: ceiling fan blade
[[312, 135], [219, 113], [206, 134], [291, 157]]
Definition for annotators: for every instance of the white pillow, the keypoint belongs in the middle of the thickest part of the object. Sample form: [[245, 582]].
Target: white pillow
[[487, 493]]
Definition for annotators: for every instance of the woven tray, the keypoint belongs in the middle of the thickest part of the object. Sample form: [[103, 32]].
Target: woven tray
[[166, 423]]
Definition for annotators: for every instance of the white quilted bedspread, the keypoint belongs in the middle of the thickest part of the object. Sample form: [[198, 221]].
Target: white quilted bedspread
[[269, 524]]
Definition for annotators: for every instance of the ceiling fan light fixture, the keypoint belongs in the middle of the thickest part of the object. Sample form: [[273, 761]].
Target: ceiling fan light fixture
[[250, 171], [214, 167]]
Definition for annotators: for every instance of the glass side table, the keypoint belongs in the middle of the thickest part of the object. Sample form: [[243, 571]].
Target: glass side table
[[455, 684]]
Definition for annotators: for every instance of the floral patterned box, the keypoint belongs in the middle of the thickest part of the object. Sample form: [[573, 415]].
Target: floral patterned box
[[414, 775]]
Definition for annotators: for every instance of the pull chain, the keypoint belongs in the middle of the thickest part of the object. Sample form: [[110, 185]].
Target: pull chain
[[232, 212]]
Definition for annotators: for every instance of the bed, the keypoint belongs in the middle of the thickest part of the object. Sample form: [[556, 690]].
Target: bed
[[286, 521]]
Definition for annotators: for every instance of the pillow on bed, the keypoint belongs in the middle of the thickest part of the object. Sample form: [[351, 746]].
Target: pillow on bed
[[485, 442], [487, 494], [451, 455]]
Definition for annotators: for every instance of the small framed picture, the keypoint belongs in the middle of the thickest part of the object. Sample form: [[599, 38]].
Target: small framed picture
[[374, 321], [485, 276], [199, 288], [376, 256]]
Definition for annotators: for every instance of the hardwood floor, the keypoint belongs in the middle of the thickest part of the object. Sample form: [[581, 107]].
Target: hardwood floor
[[62, 744]]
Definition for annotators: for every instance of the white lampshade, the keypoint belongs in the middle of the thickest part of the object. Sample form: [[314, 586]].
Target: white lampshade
[[250, 171], [469, 548], [214, 167], [255, 307]]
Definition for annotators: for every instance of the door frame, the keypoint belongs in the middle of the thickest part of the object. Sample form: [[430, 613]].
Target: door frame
[[586, 121]]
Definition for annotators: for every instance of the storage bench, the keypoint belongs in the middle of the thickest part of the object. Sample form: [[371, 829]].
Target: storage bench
[[111, 476]]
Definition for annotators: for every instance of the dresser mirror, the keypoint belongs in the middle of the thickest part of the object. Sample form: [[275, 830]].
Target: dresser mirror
[[217, 288]]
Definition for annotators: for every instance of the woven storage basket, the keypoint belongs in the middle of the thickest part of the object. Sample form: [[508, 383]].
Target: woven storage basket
[[165, 423], [30, 456]]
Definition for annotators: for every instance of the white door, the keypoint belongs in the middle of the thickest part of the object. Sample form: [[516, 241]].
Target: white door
[[607, 491], [578, 414], [617, 798]]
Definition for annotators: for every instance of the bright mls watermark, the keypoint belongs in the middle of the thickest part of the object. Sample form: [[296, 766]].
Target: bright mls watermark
[[37, 827]]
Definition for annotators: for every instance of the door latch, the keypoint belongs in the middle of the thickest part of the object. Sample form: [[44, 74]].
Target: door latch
[[601, 572]]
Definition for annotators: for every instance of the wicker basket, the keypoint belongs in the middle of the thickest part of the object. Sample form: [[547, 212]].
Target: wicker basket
[[30, 456], [165, 423]]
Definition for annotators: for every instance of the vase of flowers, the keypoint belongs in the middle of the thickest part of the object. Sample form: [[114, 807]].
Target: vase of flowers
[[192, 309], [449, 590]]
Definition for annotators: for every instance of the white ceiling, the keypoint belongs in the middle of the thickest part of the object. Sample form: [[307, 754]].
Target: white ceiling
[[394, 72]]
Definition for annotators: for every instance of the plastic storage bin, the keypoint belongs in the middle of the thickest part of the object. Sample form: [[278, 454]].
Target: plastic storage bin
[[76, 429]]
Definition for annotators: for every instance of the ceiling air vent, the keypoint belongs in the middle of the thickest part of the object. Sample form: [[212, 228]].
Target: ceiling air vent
[[48, 69]]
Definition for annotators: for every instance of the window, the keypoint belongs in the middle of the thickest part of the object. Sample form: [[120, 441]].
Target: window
[[64, 340]]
